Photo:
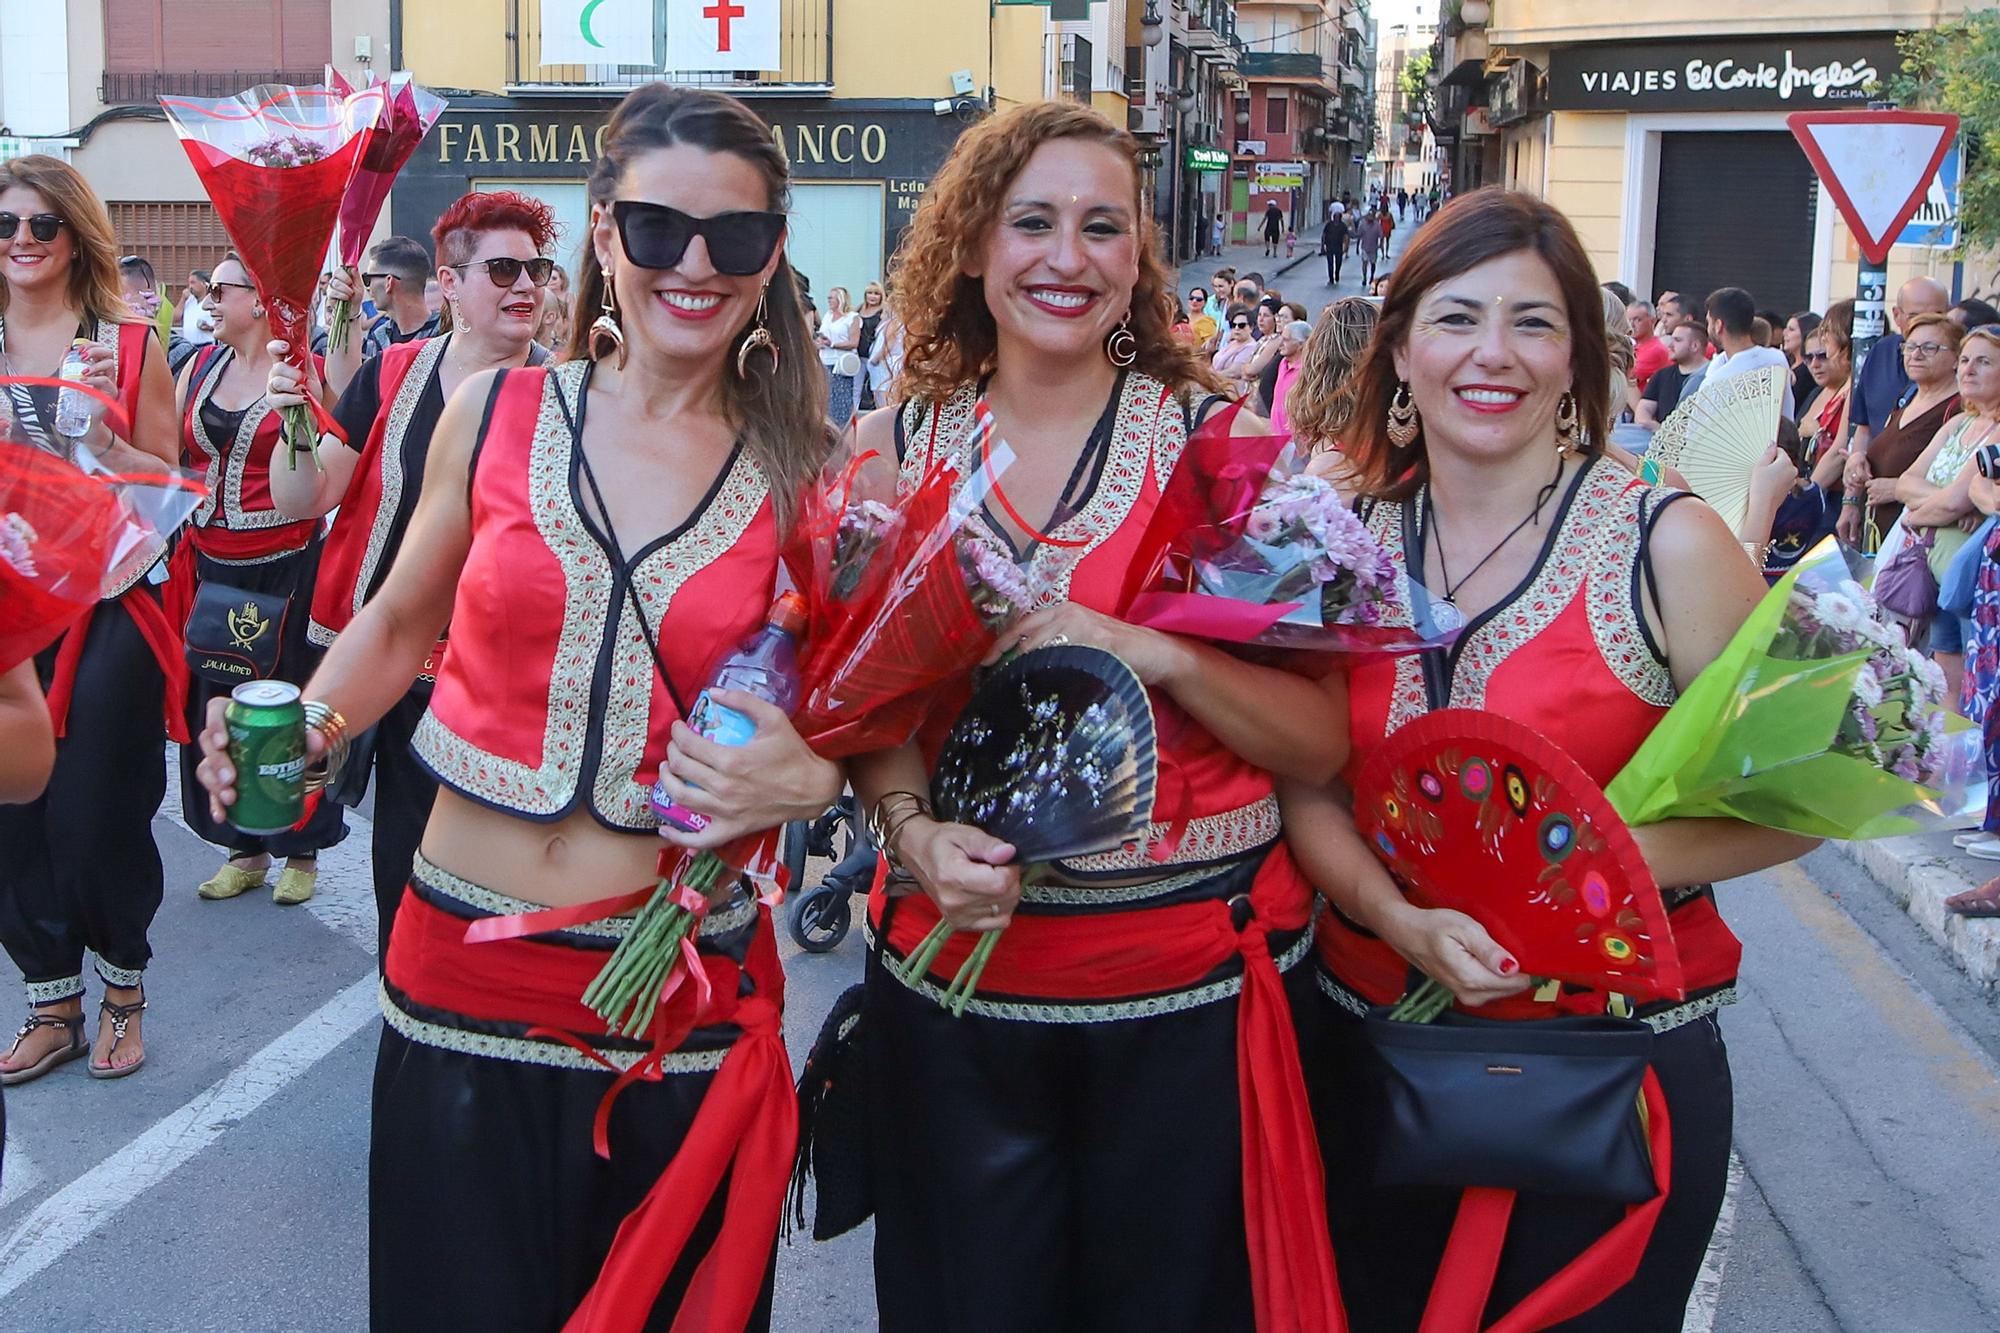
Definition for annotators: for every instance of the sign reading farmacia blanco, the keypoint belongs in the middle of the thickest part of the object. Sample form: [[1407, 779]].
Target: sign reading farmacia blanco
[[1751, 74]]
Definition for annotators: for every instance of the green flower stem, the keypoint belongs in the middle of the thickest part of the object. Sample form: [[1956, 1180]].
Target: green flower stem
[[1423, 1004], [299, 425], [626, 991], [920, 959], [339, 323], [966, 983]]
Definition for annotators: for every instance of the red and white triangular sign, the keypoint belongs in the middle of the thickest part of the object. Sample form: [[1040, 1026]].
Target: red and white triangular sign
[[1876, 165]]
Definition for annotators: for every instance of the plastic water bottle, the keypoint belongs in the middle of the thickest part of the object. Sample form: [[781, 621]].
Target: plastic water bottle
[[766, 665], [72, 403]]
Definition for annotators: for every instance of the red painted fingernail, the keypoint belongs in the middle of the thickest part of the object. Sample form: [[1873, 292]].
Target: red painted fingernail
[[1508, 967]]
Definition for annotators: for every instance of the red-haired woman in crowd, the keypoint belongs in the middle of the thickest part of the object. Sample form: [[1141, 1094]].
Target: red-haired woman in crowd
[[78, 867], [494, 270], [1113, 1134], [1587, 601]]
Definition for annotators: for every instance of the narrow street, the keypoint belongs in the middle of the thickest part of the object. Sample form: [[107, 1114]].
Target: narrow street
[[224, 1187]]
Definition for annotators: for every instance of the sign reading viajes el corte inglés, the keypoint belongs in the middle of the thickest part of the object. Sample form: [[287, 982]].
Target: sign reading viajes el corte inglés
[[1746, 74]]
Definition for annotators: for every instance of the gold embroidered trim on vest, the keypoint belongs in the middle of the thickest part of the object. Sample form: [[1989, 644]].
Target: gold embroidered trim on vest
[[409, 393], [232, 456]]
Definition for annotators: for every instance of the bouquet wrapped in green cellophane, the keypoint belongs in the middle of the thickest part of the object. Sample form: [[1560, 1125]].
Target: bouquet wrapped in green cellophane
[[1818, 718]]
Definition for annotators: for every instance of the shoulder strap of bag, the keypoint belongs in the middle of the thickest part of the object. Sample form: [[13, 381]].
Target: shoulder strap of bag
[[1433, 661]]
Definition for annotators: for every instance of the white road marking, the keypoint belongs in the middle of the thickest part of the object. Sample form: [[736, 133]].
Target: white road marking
[[21, 1176], [70, 1215], [1708, 1283]]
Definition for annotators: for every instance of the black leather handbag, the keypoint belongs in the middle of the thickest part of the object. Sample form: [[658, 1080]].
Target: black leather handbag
[[233, 635], [1548, 1106], [834, 1111]]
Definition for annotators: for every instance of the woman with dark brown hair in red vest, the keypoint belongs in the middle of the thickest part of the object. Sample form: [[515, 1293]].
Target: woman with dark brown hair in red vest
[[78, 867], [592, 533]]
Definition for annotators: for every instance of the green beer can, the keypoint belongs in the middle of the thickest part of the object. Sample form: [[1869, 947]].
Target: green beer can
[[267, 744]]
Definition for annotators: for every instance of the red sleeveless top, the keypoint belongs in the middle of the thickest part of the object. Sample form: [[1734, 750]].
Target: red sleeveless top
[[238, 521], [1569, 654], [357, 545], [1224, 806], [549, 699]]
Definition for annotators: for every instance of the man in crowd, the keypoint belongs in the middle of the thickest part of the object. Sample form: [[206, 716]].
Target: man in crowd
[[1732, 324], [395, 272], [1688, 347], [1333, 244], [1881, 382], [1649, 352]]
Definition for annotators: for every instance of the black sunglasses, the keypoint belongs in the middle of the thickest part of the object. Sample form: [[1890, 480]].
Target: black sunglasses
[[42, 226], [215, 288], [506, 269], [367, 278], [656, 236], [1239, 323]]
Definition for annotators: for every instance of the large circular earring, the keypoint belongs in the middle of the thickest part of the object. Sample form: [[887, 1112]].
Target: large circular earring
[[759, 338], [1566, 423], [604, 329], [1121, 348], [1403, 420]]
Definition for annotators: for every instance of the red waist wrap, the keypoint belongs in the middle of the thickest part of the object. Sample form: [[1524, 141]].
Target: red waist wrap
[[1112, 954], [747, 1127], [162, 635]]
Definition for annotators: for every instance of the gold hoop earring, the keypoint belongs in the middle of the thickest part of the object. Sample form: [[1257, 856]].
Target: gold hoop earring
[[1403, 420], [604, 329], [759, 338], [1566, 424], [1121, 348]]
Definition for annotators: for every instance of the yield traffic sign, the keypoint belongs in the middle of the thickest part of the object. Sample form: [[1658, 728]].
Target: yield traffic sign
[[1877, 165]]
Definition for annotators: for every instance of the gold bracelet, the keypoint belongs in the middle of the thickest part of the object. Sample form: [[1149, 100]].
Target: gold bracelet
[[900, 807], [1757, 551], [332, 727]]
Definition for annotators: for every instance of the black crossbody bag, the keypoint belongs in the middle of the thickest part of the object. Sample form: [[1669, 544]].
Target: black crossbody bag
[[1547, 1106], [233, 634]]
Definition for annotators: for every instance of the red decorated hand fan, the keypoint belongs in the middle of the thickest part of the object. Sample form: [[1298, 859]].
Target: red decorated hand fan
[[1477, 813]]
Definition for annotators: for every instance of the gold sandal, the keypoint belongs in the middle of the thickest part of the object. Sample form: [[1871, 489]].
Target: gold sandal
[[61, 1055], [232, 881]]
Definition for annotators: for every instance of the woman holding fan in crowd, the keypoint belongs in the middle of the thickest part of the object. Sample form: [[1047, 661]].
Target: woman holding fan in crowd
[[241, 547], [78, 866], [592, 533], [1076, 1155], [494, 271], [1588, 601]]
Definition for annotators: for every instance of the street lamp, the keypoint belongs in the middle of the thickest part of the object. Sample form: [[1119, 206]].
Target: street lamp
[[1475, 13], [1152, 28], [1185, 99]]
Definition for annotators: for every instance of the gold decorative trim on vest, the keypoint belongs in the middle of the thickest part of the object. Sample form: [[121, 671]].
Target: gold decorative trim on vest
[[402, 407]]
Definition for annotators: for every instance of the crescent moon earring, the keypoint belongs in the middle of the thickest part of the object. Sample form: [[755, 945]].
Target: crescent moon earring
[[759, 338], [1121, 349], [605, 330]]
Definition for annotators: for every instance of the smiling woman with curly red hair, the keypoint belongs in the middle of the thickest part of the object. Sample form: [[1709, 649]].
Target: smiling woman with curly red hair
[[1116, 1143], [492, 253]]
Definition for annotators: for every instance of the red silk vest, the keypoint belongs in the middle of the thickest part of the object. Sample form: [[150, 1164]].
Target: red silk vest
[[1569, 655], [238, 521], [549, 698], [1226, 805], [357, 545]]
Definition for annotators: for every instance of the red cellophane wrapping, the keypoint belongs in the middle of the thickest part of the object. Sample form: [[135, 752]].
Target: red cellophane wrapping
[[412, 110], [55, 529], [277, 161]]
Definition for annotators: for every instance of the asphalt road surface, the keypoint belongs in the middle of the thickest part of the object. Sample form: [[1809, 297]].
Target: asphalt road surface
[[224, 1186]]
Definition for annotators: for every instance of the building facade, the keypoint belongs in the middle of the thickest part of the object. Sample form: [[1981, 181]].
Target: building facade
[[1661, 133], [1304, 125], [1183, 58], [1404, 156]]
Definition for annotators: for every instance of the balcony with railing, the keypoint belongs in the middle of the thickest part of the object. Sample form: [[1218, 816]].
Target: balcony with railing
[[805, 53], [143, 87]]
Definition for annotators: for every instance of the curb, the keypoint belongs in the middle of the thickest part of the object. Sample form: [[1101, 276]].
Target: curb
[[1918, 873]]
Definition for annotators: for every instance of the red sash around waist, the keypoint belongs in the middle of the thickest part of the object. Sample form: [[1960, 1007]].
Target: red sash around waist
[[747, 1127], [1144, 952], [161, 635]]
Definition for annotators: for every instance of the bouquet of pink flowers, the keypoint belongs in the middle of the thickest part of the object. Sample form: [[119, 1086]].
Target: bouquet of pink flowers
[[277, 161]]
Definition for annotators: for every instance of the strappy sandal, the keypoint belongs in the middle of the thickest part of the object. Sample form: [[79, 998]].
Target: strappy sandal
[[61, 1055], [121, 1017]]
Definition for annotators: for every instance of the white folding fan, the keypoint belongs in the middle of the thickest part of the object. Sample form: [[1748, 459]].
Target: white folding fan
[[1716, 438]]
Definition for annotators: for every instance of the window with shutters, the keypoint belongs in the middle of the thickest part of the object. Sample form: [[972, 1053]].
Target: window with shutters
[[174, 237], [1754, 187], [212, 48], [1276, 119]]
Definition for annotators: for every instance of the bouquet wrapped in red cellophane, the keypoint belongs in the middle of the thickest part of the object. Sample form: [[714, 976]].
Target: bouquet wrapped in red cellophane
[[412, 110], [69, 528], [277, 161]]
